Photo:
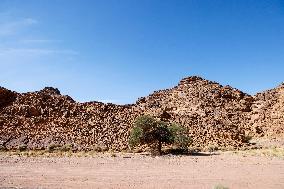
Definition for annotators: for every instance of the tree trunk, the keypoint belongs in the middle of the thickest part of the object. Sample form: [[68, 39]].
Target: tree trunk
[[159, 148], [156, 148]]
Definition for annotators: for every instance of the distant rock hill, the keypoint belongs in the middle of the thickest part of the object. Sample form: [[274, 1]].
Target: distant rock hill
[[215, 115], [267, 115]]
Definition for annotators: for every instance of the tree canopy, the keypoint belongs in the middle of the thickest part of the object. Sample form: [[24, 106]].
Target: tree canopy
[[151, 131]]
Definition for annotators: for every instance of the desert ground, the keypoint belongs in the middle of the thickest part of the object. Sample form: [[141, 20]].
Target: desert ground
[[203, 170]]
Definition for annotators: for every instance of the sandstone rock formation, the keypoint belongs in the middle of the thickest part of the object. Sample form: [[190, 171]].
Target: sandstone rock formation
[[267, 116], [214, 115], [44, 118]]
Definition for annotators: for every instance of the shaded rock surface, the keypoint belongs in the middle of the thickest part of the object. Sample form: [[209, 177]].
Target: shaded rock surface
[[214, 115], [6, 97]]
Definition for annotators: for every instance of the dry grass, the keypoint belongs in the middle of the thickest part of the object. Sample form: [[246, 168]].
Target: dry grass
[[272, 151], [65, 153], [46, 153], [219, 186], [268, 152]]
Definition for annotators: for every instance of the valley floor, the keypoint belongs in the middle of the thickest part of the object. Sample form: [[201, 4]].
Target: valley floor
[[141, 171]]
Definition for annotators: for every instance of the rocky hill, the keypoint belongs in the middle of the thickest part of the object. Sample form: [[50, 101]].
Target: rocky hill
[[43, 118], [267, 116], [214, 115]]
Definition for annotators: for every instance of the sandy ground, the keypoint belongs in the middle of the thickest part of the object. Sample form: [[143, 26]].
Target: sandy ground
[[137, 171]]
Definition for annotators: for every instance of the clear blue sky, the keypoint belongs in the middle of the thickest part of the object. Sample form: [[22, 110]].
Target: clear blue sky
[[119, 50]]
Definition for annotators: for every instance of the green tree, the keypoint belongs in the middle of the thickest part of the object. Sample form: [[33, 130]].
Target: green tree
[[148, 130]]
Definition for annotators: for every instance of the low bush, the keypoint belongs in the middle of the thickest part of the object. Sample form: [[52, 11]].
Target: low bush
[[66, 148], [219, 186], [52, 147], [247, 138], [22, 147]]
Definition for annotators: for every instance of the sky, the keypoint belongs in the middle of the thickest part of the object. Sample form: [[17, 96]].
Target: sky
[[119, 50]]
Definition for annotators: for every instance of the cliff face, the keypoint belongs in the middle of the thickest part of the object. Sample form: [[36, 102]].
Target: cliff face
[[213, 114]]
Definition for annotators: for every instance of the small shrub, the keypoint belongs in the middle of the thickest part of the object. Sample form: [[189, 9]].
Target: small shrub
[[22, 147], [247, 138], [66, 148], [52, 147], [97, 148], [212, 148], [100, 148], [2, 148], [219, 186], [112, 154]]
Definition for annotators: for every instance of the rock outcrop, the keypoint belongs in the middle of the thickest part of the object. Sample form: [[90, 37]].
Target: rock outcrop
[[44, 118], [6, 97], [267, 116], [214, 115]]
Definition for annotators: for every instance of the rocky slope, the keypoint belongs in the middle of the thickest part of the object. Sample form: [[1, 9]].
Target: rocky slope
[[46, 117], [267, 116], [214, 115]]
